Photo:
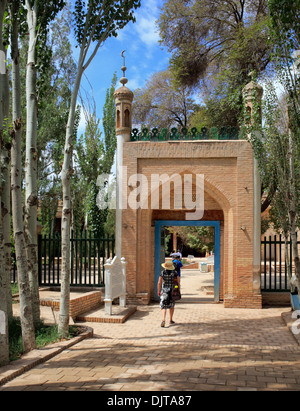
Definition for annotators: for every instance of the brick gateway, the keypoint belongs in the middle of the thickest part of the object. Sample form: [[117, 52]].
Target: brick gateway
[[229, 199]]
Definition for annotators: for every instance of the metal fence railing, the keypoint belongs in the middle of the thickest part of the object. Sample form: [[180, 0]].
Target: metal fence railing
[[88, 256], [275, 269]]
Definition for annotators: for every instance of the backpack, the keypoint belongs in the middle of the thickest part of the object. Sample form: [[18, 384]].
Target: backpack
[[176, 268]]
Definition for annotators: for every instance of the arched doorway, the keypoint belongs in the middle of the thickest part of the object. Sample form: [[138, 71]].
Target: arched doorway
[[160, 256]]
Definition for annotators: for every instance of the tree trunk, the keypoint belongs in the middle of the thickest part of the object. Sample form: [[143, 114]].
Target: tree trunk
[[63, 325], [17, 209], [4, 346], [286, 255], [31, 198], [6, 216], [292, 212], [5, 200]]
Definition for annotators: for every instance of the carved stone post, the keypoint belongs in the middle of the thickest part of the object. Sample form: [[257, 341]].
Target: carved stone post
[[254, 91]]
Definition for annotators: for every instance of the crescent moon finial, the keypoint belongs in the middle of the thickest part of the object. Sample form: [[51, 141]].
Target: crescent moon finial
[[123, 79], [122, 54]]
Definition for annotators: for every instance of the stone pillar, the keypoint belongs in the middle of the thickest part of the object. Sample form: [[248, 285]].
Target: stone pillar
[[123, 98], [254, 91]]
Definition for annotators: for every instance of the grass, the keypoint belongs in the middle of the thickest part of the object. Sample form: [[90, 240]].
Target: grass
[[44, 334], [14, 288]]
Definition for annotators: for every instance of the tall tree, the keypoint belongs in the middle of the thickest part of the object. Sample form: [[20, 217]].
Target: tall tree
[[277, 144], [109, 126], [163, 102], [95, 156], [4, 356], [39, 14], [94, 23], [285, 28], [54, 93], [26, 317], [216, 44]]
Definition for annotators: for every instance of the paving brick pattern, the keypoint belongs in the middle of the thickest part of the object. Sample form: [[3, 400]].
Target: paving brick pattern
[[209, 348]]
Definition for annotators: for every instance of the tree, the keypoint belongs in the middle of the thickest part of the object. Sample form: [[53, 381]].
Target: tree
[[285, 18], [39, 14], [285, 29], [163, 102], [109, 127], [54, 92], [4, 351], [26, 317], [277, 144], [94, 23], [215, 44], [95, 155], [200, 239]]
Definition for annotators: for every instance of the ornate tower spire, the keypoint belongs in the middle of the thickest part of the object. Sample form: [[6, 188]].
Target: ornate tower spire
[[123, 98], [123, 80]]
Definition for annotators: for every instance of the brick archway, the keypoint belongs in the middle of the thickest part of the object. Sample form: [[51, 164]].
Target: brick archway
[[227, 167]]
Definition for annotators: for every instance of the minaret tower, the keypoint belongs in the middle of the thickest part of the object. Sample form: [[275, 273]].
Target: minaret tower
[[123, 98]]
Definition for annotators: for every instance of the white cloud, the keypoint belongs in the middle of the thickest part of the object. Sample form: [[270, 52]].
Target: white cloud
[[147, 30], [145, 25], [134, 83]]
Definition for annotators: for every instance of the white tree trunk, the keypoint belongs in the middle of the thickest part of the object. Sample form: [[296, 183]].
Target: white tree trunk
[[31, 198], [6, 214], [16, 182], [5, 200], [63, 325], [4, 347]]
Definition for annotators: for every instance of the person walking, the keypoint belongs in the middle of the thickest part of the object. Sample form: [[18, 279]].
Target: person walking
[[177, 265], [164, 290]]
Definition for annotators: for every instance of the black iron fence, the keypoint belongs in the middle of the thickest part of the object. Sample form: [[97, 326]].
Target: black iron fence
[[224, 133], [88, 256], [89, 253], [276, 269]]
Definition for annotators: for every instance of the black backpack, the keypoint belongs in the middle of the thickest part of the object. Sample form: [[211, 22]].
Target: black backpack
[[176, 269]]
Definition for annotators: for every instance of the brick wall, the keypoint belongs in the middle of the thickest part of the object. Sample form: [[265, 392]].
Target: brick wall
[[78, 305], [227, 167]]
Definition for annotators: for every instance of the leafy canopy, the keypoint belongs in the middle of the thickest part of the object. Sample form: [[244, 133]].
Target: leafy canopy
[[95, 19]]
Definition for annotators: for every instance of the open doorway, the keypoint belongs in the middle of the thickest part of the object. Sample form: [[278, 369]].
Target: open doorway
[[200, 277]]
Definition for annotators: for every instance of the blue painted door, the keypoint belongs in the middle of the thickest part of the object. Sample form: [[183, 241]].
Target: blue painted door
[[160, 253], [161, 224]]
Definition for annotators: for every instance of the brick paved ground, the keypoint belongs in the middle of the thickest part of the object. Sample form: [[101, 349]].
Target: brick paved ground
[[209, 348]]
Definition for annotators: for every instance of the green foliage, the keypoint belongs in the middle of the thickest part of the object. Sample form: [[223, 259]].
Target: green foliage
[[95, 156], [214, 46], [98, 19], [285, 21], [54, 98], [109, 127], [163, 102], [201, 239], [45, 14]]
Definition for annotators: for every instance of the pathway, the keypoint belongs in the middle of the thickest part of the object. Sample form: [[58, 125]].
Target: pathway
[[209, 348]]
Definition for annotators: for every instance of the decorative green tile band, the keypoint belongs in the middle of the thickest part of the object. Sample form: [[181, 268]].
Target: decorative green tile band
[[224, 133]]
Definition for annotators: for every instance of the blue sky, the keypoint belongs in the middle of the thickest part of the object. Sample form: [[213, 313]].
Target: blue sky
[[144, 56]]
